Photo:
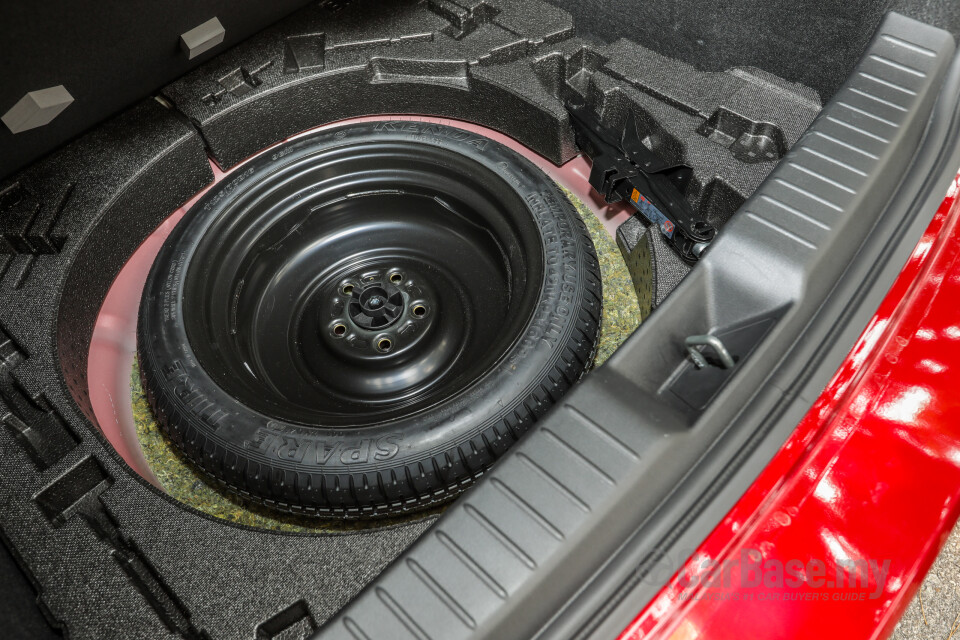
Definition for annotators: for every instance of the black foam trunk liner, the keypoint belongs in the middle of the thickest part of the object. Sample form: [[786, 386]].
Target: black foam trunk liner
[[108, 554], [813, 42]]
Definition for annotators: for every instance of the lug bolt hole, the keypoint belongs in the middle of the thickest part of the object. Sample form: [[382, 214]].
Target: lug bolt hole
[[419, 311], [347, 289], [339, 330], [396, 278], [384, 344]]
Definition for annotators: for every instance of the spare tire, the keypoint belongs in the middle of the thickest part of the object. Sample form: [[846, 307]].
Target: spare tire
[[359, 322]]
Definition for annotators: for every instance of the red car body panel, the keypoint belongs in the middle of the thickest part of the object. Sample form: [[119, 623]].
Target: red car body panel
[[871, 473]]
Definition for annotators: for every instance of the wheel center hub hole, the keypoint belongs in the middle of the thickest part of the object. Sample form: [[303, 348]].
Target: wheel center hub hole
[[376, 306], [378, 316]]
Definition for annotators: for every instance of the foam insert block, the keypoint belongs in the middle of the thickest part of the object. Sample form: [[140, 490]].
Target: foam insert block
[[202, 38], [37, 108]]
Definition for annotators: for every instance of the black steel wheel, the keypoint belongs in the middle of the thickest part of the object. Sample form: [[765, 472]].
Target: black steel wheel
[[359, 322]]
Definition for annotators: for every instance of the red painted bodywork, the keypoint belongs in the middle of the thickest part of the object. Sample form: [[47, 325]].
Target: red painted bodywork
[[872, 472]]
